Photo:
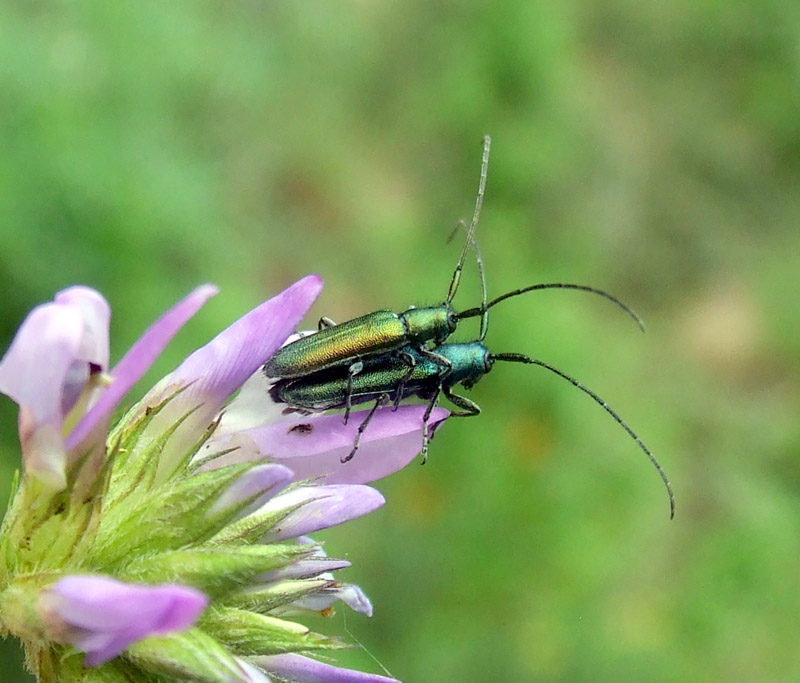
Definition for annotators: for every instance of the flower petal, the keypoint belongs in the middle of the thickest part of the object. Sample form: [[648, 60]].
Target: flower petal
[[267, 479], [46, 369], [102, 616], [220, 367], [316, 564], [350, 594], [304, 569], [306, 670], [252, 406], [96, 316], [312, 447], [212, 373], [138, 361], [251, 674], [320, 507], [43, 452], [40, 364]]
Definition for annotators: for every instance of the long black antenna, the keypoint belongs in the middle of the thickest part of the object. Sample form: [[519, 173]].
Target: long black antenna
[[487, 143], [480, 310], [520, 358]]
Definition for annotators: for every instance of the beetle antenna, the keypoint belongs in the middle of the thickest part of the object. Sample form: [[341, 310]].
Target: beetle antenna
[[520, 358], [484, 307], [479, 310], [487, 143]]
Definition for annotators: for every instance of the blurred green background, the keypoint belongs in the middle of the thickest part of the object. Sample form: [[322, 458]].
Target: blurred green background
[[651, 149]]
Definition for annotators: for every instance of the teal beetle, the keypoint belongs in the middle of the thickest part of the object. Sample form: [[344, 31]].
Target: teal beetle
[[387, 378]]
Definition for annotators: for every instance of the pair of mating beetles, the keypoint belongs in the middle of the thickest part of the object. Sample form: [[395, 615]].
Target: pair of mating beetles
[[387, 357]]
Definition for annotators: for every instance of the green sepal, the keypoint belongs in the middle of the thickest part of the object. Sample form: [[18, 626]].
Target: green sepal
[[37, 549], [139, 472], [19, 607], [127, 429], [215, 570], [199, 462], [126, 435], [9, 550], [37, 540], [70, 669], [250, 634], [251, 529], [178, 514], [182, 466], [263, 600], [192, 655], [53, 543]]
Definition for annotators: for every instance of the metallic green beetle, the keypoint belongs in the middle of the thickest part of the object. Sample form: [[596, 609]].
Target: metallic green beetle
[[411, 372], [420, 329]]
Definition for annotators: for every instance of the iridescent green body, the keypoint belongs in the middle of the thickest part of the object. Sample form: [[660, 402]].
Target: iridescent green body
[[372, 334], [388, 375]]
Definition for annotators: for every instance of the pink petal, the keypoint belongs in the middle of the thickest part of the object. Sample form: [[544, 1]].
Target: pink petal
[[102, 616], [304, 569], [250, 674], [42, 360], [320, 507], [350, 594], [215, 371], [306, 670], [43, 452], [313, 446], [233, 449], [46, 370], [138, 361], [315, 565], [252, 407], [267, 479], [218, 369], [96, 315]]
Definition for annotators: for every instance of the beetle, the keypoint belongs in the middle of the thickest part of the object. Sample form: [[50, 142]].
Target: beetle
[[386, 378], [419, 329]]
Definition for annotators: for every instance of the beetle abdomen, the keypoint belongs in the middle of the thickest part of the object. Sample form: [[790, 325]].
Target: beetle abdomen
[[344, 343]]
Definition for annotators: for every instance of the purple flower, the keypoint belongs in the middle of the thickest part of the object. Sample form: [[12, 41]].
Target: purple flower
[[102, 617], [60, 355], [320, 507], [305, 670], [201, 494], [255, 428]]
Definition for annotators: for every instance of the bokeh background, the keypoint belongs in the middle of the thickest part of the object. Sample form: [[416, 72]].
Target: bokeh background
[[651, 149]]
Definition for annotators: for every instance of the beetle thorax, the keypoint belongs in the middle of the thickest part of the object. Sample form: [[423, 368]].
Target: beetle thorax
[[433, 323]]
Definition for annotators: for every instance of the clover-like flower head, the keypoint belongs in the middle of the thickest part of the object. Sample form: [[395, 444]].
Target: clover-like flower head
[[172, 544]]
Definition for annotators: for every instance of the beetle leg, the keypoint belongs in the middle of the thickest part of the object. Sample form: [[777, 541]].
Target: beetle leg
[[425, 420], [300, 411], [383, 399], [324, 322], [468, 408], [441, 361], [352, 371], [406, 356]]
